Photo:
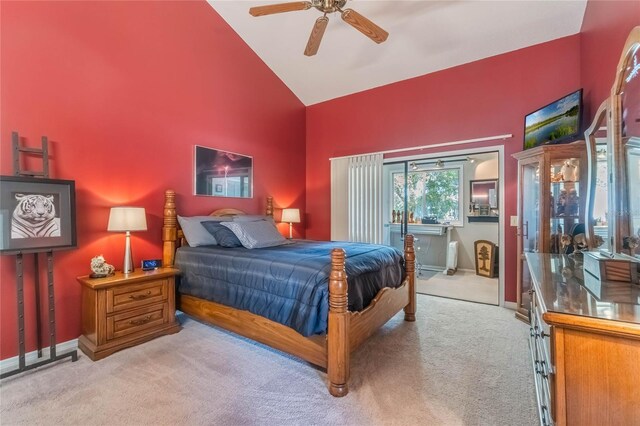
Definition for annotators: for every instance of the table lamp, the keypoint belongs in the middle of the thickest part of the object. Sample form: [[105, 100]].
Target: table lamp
[[127, 219], [291, 216]]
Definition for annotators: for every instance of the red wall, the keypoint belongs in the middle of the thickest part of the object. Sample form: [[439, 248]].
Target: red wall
[[124, 90], [484, 98], [605, 28]]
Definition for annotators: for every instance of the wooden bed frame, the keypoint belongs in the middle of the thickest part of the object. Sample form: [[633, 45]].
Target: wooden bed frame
[[346, 330]]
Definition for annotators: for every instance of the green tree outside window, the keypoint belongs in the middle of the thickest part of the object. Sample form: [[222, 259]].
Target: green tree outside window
[[430, 193]]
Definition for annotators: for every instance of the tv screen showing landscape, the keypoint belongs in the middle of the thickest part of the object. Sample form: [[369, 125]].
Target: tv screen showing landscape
[[555, 123]]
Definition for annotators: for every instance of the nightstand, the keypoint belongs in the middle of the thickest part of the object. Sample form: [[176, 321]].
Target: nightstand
[[124, 310]]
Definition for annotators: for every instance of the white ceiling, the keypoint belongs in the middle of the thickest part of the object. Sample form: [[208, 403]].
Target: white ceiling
[[425, 36]]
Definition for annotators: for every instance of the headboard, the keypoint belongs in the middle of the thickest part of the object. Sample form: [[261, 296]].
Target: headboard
[[172, 235]]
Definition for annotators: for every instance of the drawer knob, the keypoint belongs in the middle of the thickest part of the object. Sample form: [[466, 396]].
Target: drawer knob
[[140, 296], [141, 321], [543, 334]]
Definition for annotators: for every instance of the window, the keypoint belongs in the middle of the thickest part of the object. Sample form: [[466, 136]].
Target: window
[[430, 193]]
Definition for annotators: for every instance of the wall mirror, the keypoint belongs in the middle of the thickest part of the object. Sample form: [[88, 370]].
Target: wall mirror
[[625, 106], [222, 173], [598, 220], [484, 192]]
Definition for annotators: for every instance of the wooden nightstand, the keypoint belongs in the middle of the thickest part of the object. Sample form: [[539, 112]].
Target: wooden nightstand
[[121, 311]]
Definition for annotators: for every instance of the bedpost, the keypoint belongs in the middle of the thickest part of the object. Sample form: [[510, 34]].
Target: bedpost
[[410, 269], [169, 228], [269, 209], [338, 333]]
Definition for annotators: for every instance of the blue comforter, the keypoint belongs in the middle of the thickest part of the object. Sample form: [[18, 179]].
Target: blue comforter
[[288, 284]]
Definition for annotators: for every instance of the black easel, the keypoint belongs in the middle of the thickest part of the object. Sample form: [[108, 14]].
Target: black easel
[[53, 357]]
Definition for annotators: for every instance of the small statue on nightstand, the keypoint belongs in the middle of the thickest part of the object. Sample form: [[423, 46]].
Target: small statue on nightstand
[[100, 268]]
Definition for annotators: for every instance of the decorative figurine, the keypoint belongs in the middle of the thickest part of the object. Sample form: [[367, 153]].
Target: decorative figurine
[[558, 177], [569, 171], [100, 268], [565, 241], [579, 244], [630, 242], [572, 203], [598, 241], [562, 202]]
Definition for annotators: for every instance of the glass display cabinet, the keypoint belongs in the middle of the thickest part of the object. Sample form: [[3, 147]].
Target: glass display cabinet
[[552, 182]]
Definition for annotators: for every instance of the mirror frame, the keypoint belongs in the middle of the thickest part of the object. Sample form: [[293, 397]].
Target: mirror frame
[[592, 174], [495, 185], [618, 149]]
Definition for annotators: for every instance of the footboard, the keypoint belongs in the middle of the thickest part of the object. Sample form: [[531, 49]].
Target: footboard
[[347, 330]]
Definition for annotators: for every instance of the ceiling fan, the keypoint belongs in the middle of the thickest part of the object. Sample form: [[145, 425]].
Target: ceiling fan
[[350, 16]]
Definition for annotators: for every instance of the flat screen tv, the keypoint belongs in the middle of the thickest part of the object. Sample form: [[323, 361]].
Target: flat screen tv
[[558, 122]]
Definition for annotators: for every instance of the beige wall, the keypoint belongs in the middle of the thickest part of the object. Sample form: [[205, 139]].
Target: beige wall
[[485, 167]]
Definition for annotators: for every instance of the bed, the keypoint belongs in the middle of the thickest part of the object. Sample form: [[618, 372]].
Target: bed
[[326, 334]]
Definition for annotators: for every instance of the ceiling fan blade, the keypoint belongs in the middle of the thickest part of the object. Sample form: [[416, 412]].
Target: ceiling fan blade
[[364, 25], [279, 8], [316, 36]]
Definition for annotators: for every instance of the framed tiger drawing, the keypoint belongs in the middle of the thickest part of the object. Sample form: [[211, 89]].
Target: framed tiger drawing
[[36, 214]]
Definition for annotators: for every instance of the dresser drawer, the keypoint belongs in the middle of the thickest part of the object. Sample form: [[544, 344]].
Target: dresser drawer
[[126, 323], [135, 295]]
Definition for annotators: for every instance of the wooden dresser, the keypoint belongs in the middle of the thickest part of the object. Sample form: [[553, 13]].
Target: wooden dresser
[[124, 310], [585, 345]]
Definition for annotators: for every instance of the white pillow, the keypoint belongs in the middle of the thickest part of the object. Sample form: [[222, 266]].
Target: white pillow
[[195, 233], [256, 234]]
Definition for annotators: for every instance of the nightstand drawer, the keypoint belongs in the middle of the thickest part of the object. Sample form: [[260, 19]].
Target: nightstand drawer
[[135, 295], [130, 322]]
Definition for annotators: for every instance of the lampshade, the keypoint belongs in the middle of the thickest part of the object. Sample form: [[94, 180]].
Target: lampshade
[[127, 219], [291, 215]]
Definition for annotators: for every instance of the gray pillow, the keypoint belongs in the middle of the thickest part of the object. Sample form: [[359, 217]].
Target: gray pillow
[[195, 233], [252, 218], [256, 234], [224, 236]]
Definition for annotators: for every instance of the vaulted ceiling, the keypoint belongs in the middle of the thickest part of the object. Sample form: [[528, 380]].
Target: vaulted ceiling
[[425, 36]]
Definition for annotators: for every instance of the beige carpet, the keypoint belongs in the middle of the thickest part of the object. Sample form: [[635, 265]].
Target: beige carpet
[[462, 285], [459, 364]]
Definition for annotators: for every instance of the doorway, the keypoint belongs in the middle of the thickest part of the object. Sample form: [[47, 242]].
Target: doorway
[[448, 202]]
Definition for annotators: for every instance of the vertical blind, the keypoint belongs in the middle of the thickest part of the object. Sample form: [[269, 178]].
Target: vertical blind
[[365, 198]]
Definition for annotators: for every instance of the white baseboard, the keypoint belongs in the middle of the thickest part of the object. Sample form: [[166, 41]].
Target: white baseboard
[[10, 364], [510, 305]]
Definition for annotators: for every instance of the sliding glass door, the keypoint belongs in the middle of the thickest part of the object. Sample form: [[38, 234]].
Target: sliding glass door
[[420, 193]]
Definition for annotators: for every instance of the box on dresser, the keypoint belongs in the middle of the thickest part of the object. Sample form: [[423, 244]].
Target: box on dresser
[[610, 291], [611, 267]]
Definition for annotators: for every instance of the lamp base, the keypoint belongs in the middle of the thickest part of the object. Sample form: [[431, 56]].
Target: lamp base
[[127, 266], [290, 230]]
